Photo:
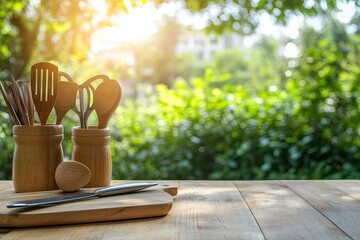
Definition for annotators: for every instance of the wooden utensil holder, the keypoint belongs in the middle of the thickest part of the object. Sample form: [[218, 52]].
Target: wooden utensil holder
[[91, 147], [37, 153]]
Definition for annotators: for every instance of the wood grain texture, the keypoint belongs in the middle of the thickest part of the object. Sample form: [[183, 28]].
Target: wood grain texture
[[214, 210], [91, 148], [72, 175], [37, 153], [283, 214], [201, 210], [217, 210], [330, 199], [148, 203]]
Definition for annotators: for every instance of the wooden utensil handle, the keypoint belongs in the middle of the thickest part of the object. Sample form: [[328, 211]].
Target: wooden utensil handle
[[67, 76], [11, 110]]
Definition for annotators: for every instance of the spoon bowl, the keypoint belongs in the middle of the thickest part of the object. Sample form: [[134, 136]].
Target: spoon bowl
[[65, 99], [72, 175], [106, 100]]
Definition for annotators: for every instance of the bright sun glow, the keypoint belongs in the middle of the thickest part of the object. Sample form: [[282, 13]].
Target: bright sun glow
[[138, 25]]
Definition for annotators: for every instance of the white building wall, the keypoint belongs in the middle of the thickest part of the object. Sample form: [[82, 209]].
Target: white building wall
[[204, 45]]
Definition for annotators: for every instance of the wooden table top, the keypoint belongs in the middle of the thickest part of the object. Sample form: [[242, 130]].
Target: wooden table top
[[323, 209]]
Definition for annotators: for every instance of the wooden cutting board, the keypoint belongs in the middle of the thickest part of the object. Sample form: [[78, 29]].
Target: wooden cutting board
[[153, 202]]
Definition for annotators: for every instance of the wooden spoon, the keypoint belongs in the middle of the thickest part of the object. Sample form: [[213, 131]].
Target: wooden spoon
[[71, 175], [44, 84], [106, 100], [65, 99], [11, 109], [86, 101]]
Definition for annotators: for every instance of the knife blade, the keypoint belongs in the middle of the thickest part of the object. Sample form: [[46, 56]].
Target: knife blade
[[101, 192]]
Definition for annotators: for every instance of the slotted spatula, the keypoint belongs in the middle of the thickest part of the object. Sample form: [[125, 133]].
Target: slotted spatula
[[44, 84]]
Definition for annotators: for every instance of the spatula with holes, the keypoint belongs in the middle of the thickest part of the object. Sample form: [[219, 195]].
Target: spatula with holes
[[44, 84]]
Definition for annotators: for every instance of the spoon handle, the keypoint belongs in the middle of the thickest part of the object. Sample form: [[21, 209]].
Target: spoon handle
[[19, 100], [10, 108], [31, 106]]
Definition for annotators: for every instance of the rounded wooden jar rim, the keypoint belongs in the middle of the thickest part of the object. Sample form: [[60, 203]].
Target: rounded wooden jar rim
[[38, 130], [91, 131]]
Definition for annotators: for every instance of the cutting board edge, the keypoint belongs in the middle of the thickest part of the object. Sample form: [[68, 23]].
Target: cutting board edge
[[96, 215], [141, 212]]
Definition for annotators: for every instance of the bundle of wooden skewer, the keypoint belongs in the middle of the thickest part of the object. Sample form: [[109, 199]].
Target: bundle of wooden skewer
[[19, 101]]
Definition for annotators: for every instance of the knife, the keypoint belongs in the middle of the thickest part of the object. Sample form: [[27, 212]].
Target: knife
[[101, 192]]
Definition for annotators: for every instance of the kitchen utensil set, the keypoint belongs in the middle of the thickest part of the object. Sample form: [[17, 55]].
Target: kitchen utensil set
[[12, 111], [87, 98], [46, 92], [17, 101]]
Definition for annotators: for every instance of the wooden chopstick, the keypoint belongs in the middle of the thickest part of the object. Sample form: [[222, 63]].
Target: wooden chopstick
[[19, 99], [10, 108]]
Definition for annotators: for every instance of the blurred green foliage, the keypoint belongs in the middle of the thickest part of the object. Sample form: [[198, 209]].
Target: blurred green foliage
[[251, 114], [210, 128]]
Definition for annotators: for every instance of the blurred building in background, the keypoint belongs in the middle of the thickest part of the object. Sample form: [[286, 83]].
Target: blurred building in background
[[200, 43], [205, 45]]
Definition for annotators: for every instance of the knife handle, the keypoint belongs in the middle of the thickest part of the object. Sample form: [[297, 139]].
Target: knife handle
[[124, 188]]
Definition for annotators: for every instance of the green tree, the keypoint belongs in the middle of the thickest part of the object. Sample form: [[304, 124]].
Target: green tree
[[243, 15], [61, 29], [207, 128], [253, 68], [51, 29], [154, 55]]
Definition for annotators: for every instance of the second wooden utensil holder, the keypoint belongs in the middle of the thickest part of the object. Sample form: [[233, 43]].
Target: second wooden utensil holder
[[91, 147], [37, 153]]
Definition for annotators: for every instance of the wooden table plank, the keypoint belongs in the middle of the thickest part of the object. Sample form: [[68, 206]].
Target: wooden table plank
[[217, 210], [213, 210], [108, 230], [202, 210], [282, 214], [350, 187], [329, 198]]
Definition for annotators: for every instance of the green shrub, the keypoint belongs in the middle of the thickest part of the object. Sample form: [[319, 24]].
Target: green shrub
[[6, 145], [210, 129]]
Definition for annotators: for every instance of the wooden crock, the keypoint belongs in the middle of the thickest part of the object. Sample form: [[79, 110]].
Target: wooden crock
[[37, 153], [91, 147]]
